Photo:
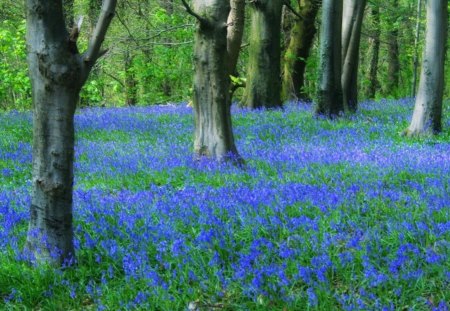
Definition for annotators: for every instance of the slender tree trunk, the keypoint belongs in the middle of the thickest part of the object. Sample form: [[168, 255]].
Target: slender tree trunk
[[351, 36], [300, 44], [393, 54], [130, 81], [416, 48], [329, 95], [235, 33], [263, 86], [427, 116], [57, 73], [211, 98], [374, 53]]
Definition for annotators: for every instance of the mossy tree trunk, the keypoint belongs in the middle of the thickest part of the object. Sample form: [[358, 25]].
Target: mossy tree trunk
[[57, 71], [329, 93], [300, 44], [263, 85], [351, 36], [427, 116]]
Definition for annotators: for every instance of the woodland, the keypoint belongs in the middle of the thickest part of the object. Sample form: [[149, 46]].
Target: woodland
[[224, 155]]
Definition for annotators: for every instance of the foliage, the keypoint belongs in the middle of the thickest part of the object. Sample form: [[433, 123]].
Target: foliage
[[326, 215], [15, 88]]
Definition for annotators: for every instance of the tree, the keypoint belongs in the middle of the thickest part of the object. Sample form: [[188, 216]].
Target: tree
[[351, 35], [211, 96], [329, 95], [427, 115], [374, 42], [300, 44], [57, 71], [263, 85], [393, 77]]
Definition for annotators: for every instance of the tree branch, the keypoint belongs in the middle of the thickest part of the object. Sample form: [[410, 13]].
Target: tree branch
[[289, 6], [106, 15], [202, 20]]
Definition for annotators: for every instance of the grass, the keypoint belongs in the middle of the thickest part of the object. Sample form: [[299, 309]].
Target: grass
[[326, 215]]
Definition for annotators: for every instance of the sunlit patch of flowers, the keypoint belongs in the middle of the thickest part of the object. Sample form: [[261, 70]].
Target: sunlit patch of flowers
[[325, 215]]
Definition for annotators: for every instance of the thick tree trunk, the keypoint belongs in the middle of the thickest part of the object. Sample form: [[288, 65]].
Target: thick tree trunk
[[300, 44], [211, 98], [329, 95], [393, 77], [351, 37], [374, 54], [427, 116], [263, 86], [57, 73]]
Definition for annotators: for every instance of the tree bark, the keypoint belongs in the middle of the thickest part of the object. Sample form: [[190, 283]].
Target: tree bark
[[235, 32], [299, 47], [211, 96], [263, 85], [427, 115], [351, 36], [329, 95], [393, 54], [374, 54], [57, 73], [416, 48], [130, 81], [69, 14]]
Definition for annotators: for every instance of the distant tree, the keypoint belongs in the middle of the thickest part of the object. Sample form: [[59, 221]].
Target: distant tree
[[211, 96], [351, 35], [329, 95], [263, 85], [301, 40], [427, 116], [393, 76], [57, 71], [374, 41]]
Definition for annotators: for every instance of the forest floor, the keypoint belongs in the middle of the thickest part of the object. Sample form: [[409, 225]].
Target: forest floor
[[326, 215]]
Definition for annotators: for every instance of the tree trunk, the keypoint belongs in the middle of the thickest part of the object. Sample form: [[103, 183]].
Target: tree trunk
[[329, 95], [300, 44], [416, 48], [235, 33], [351, 37], [69, 15], [393, 77], [57, 73], [374, 54], [211, 96], [263, 86], [167, 5], [427, 116], [130, 81]]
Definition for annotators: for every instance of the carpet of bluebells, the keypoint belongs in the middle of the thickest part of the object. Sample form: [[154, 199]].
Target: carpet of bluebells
[[325, 215]]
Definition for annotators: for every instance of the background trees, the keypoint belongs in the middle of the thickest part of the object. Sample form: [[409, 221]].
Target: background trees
[[154, 63]]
